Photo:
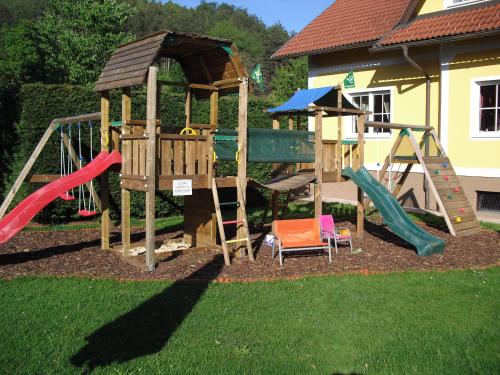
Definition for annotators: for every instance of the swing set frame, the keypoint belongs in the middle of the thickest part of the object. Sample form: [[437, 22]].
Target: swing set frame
[[44, 178]]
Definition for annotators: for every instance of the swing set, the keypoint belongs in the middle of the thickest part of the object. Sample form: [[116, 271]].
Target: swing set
[[86, 192]]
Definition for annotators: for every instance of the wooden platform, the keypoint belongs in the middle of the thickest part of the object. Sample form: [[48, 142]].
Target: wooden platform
[[457, 206]]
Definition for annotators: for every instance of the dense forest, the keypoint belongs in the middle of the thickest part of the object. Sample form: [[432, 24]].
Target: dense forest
[[69, 41]]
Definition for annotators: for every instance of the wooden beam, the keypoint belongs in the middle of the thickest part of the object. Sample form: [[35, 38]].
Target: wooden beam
[[242, 152], [199, 86], [390, 125], [80, 118], [187, 109], [339, 109], [105, 218], [227, 81], [44, 178], [318, 163], [199, 181], [151, 167], [26, 169], [126, 154], [214, 110], [139, 122], [360, 216]]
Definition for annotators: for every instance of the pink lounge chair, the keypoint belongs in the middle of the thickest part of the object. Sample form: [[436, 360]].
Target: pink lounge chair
[[329, 232]]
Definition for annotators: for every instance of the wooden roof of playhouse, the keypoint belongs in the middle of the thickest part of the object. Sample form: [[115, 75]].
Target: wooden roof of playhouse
[[204, 60]]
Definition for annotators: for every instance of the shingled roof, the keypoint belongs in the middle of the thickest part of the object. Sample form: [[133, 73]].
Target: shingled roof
[[482, 18], [204, 60], [345, 23], [387, 23]]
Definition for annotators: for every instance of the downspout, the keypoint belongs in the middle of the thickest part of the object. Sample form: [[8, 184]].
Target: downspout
[[427, 84], [427, 115]]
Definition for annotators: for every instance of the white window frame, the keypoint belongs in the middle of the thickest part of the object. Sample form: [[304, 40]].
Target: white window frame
[[450, 4], [349, 122], [475, 93]]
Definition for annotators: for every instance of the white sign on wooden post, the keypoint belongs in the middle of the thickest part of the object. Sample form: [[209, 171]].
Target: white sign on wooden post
[[182, 187]]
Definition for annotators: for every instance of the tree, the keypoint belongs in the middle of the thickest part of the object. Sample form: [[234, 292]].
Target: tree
[[78, 37], [289, 77]]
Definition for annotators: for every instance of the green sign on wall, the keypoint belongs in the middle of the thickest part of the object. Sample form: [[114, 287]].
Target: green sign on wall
[[349, 80]]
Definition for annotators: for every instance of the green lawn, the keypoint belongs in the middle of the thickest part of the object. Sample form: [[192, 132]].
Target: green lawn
[[421, 323]]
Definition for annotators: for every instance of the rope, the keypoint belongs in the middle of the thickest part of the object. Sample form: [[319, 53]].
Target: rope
[[91, 190], [69, 169], [81, 192]]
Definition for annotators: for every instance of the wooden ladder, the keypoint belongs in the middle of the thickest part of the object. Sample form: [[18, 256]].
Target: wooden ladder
[[239, 204], [459, 211]]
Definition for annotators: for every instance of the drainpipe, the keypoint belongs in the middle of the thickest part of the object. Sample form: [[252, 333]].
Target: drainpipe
[[427, 114]]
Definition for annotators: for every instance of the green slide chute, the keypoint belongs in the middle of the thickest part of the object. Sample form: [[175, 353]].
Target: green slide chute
[[394, 215]]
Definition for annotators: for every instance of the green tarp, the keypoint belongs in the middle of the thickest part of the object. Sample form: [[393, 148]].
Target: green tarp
[[267, 145]]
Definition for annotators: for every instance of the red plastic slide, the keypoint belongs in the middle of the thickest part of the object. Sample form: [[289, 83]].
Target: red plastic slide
[[22, 214]]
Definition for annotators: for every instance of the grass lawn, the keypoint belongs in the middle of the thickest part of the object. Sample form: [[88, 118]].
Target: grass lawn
[[422, 323]]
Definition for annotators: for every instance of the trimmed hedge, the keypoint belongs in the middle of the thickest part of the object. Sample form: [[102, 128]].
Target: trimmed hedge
[[41, 103]]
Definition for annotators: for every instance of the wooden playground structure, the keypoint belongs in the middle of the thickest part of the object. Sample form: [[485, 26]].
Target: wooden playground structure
[[155, 157]]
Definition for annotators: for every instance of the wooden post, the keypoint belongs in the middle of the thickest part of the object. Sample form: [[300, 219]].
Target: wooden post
[[338, 152], [188, 107], [360, 217], [318, 163], [151, 167], [214, 110], [105, 146], [276, 126], [126, 151], [242, 158], [26, 169]]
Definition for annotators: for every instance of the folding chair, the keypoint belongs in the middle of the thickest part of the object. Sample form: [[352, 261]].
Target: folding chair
[[329, 232], [298, 235]]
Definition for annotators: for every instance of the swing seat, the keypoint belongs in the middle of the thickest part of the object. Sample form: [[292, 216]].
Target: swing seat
[[87, 213], [67, 197]]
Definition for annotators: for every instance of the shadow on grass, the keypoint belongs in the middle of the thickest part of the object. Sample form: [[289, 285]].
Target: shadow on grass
[[146, 329]]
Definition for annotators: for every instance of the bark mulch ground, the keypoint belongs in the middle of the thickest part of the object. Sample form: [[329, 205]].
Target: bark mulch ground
[[77, 253]]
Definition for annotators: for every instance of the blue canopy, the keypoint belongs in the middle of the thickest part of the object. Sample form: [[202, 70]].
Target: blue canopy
[[322, 96]]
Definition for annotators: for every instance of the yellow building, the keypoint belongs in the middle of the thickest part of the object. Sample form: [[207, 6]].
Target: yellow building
[[433, 62]]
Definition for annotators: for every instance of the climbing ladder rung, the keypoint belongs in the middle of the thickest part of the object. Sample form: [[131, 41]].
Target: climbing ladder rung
[[229, 204], [233, 222], [237, 240]]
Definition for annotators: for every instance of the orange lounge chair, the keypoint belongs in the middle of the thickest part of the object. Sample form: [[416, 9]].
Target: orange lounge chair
[[298, 235]]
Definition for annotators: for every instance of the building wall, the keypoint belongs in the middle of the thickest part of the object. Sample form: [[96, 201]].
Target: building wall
[[430, 6], [453, 69], [387, 71]]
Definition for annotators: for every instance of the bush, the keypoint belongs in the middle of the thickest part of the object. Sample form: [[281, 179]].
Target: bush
[[41, 103]]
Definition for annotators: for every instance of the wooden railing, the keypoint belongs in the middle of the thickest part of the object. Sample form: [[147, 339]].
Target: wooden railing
[[183, 154], [178, 156]]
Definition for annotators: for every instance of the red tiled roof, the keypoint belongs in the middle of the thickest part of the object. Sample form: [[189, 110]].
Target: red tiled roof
[[445, 24], [344, 23]]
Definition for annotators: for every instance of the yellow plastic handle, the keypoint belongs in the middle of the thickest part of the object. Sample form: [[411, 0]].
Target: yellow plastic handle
[[215, 157], [237, 156], [188, 131]]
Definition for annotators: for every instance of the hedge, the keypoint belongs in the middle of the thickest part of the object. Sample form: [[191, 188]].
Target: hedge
[[41, 103]]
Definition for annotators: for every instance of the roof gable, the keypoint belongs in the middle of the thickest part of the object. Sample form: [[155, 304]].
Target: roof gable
[[344, 24]]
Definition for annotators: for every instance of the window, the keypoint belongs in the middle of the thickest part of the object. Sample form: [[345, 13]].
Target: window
[[485, 108], [457, 3], [489, 108], [376, 102], [488, 201]]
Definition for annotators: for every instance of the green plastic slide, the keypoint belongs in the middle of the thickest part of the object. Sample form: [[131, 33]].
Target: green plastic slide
[[393, 214]]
